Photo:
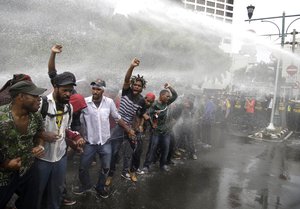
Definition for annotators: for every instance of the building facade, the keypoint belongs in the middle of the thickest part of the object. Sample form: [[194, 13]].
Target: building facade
[[221, 10]]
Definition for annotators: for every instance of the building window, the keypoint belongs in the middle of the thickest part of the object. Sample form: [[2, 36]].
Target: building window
[[220, 18], [230, 8], [211, 4], [221, 0], [190, 6], [201, 9], [201, 2], [228, 14], [190, 1], [209, 10], [228, 21], [229, 1], [219, 12], [221, 6]]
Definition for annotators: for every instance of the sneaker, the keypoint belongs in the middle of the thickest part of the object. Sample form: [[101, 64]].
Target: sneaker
[[139, 172], [125, 175], [171, 162], [177, 158], [177, 153], [181, 150], [194, 157], [80, 191], [145, 170], [103, 194], [68, 202], [133, 177], [165, 168], [108, 181]]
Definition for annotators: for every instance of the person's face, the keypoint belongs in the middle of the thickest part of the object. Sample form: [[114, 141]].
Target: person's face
[[137, 87], [164, 98], [149, 101], [97, 93], [63, 93], [31, 102]]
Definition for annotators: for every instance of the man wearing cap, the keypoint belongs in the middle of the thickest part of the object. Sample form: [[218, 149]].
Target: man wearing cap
[[20, 129], [51, 168], [96, 132], [76, 100], [78, 103]]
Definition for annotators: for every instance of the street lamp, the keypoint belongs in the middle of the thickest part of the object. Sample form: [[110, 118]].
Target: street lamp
[[250, 10], [281, 34]]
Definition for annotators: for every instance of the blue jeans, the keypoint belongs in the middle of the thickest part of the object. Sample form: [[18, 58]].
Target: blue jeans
[[119, 138], [104, 152], [138, 150], [162, 139], [49, 182]]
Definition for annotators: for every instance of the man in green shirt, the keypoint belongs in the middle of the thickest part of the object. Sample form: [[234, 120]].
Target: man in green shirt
[[20, 129], [160, 127]]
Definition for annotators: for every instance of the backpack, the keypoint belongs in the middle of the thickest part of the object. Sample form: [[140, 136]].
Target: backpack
[[44, 109]]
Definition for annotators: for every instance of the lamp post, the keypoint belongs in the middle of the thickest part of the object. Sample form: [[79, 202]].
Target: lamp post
[[281, 34]]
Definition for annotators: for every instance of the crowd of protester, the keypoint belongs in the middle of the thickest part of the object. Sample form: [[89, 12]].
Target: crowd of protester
[[37, 131]]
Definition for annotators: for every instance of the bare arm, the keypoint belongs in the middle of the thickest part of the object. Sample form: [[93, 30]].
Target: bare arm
[[48, 136], [38, 150], [174, 93], [51, 64], [12, 164], [134, 63], [128, 130], [141, 126]]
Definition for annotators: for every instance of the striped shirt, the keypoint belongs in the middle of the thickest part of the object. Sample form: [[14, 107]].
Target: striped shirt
[[130, 105]]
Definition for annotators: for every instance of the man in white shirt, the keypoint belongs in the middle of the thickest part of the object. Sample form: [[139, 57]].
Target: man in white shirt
[[50, 170], [96, 131]]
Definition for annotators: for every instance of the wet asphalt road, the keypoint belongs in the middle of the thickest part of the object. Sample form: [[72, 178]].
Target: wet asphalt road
[[237, 172]]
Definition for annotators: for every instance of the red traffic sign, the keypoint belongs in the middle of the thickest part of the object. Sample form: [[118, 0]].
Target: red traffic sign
[[291, 70]]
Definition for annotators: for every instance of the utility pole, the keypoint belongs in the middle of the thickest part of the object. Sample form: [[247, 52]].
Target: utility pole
[[281, 34]]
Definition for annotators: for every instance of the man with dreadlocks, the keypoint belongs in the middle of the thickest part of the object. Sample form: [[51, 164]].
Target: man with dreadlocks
[[131, 102]]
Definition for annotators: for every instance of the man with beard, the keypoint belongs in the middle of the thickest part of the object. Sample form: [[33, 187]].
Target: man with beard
[[51, 168], [78, 103], [20, 129], [131, 102], [96, 132]]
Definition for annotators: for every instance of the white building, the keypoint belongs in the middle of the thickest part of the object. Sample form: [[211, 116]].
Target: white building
[[218, 9]]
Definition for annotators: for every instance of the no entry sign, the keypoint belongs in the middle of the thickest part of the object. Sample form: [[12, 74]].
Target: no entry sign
[[291, 70]]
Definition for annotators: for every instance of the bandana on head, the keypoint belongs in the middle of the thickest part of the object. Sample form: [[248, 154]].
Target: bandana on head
[[150, 95]]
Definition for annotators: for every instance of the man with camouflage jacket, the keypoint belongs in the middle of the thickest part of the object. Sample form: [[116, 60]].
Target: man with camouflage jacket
[[20, 128]]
